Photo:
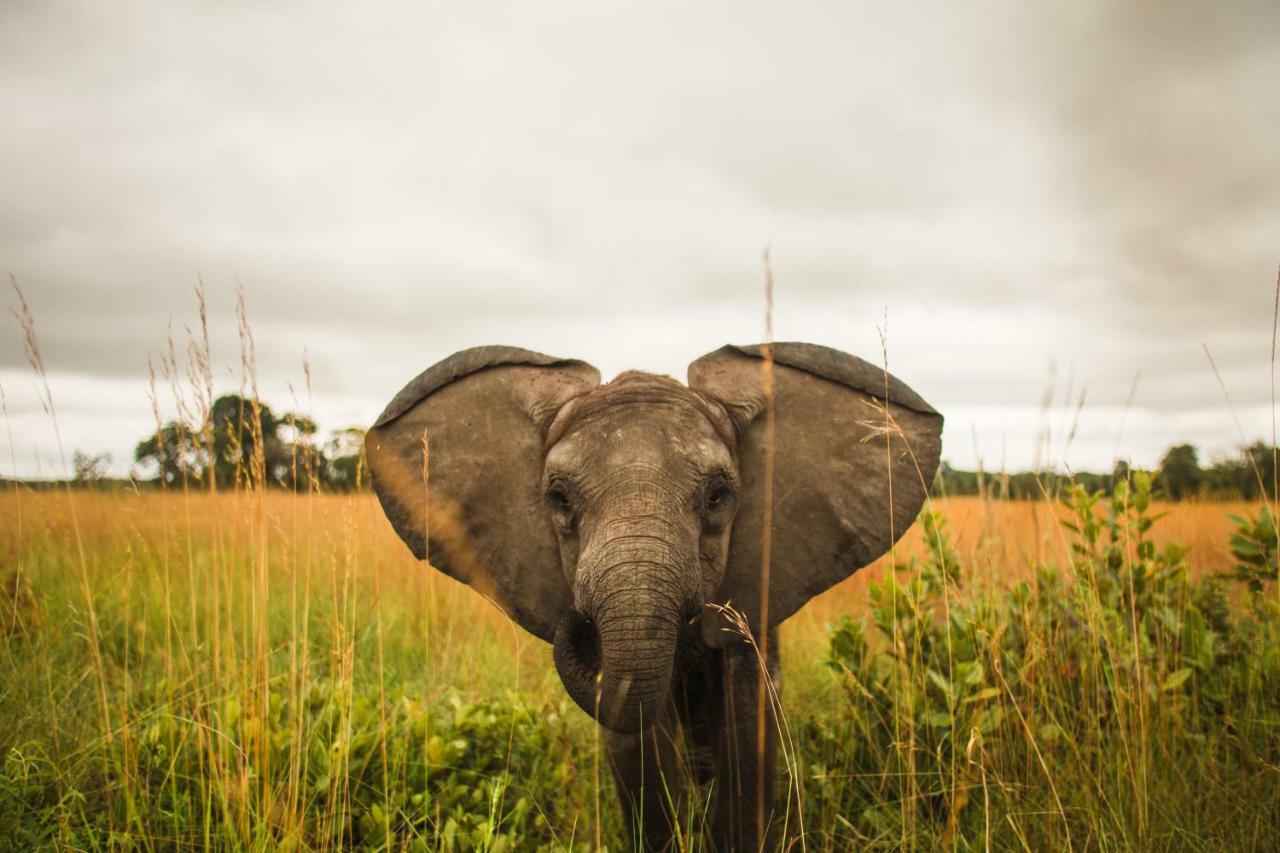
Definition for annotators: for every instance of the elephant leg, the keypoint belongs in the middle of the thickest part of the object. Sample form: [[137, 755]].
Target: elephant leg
[[744, 807], [651, 776]]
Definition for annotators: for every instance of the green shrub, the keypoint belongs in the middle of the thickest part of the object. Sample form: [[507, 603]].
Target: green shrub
[[457, 776], [1111, 699]]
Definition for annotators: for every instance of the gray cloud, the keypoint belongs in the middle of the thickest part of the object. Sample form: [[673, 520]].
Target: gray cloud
[[1095, 186]]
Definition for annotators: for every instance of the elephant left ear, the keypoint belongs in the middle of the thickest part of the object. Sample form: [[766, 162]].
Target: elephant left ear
[[853, 453], [456, 462]]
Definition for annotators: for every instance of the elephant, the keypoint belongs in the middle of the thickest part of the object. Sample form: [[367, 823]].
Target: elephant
[[656, 533]]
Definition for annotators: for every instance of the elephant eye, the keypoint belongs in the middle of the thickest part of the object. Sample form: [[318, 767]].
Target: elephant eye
[[560, 503], [718, 497]]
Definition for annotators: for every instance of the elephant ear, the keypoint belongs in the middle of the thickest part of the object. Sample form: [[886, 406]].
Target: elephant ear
[[482, 415], [854, 450]]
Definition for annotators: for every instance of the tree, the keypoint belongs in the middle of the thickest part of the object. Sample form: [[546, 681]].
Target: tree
[[89, 467], [1180, 475], [1249, 474], [344, 463], [175, 452], [248, 434], [243, 442], [1262, 467], [244, 436], [296, 462], [1120, 473]]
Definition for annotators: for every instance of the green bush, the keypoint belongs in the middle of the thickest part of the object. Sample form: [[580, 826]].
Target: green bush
[[1110, 699], [454, 776]]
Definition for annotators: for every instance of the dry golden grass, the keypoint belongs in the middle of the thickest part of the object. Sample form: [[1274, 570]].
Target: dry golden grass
[[340, 546], [988, 534], [1001, 540]]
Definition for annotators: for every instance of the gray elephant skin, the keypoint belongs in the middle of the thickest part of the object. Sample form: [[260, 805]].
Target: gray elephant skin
[[616, 521]]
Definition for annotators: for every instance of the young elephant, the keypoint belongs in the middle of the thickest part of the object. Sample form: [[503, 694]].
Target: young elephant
[[605, 519]]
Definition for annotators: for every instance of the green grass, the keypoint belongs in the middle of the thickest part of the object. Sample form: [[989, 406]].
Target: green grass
[[263, 671]]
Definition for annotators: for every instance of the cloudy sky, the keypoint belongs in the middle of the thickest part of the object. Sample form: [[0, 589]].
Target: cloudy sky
[[1036, 201]]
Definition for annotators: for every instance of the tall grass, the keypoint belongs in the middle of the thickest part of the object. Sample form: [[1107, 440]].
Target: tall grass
[[198, 753], [402, 710], [191, 667]]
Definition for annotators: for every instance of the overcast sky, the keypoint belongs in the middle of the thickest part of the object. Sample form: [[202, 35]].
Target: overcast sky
[[1043, 200]]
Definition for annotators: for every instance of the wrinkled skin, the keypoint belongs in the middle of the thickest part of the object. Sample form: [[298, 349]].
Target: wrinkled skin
[[642, 492], [618, 521]]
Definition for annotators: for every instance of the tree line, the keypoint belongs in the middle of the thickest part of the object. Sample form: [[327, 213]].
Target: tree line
[[243, 442], [1248, 475]]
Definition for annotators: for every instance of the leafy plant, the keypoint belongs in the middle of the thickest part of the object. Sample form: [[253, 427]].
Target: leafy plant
[[966, 707], [1254, 545]]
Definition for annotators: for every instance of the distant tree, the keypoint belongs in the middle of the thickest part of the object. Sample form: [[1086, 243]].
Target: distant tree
[[1262, 468], [90, 468], [344, 462], [1120, 472], [249, 437], [1088, 480], [1025, 485], [1180, 476], [240, 442], [297, 461], [1249, 474], [244, 437], [952, 481], [175, 452]]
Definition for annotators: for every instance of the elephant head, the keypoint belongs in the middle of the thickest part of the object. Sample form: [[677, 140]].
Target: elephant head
[[604, 518]]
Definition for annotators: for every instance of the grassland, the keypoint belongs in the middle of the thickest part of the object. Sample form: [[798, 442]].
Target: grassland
[[262, 670]]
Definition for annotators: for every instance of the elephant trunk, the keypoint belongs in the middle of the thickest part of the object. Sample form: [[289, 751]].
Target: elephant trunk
[[616, 652]]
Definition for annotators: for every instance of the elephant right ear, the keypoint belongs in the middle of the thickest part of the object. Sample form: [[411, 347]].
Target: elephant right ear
[[472, 507], [852, 454]]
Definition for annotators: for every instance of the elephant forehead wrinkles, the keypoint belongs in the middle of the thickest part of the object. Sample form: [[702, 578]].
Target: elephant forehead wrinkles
[[634, 394], [634, 482], [635, 443], [669, 444]]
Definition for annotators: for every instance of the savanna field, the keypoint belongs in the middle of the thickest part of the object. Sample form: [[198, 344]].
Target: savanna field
[[265, 670]]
